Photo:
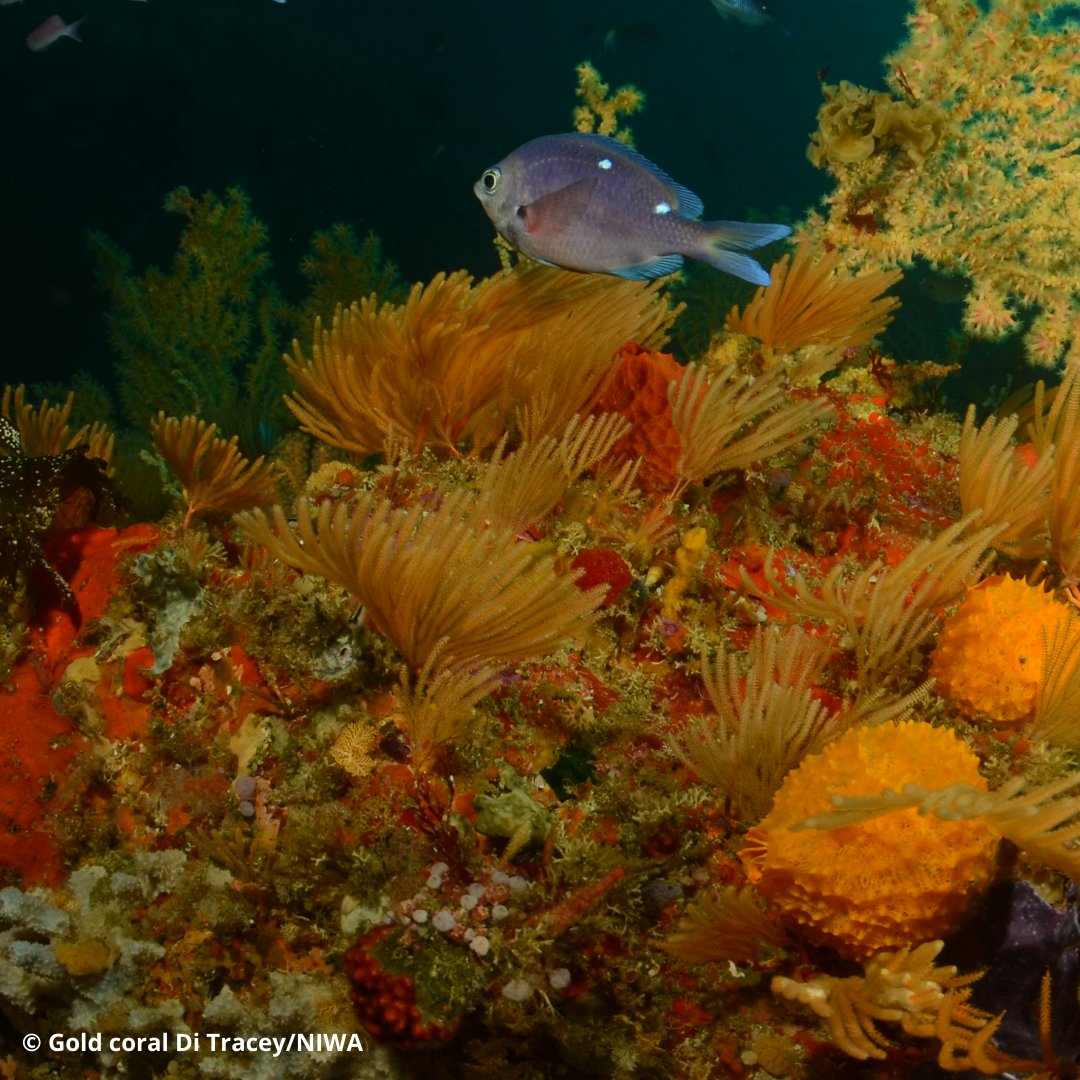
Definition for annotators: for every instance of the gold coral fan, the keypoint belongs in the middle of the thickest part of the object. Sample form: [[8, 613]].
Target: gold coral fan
[[765, 722], [436, 583], [995, 197], [815, 302], [735, 420], [449, 367], [600, 110], [214, 474], [45, 430]]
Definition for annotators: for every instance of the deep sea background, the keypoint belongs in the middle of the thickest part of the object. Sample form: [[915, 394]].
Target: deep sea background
[[378, 114]]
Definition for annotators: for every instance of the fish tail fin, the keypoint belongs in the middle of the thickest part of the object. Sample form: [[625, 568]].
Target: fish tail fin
[[724, 242], [73, 28]]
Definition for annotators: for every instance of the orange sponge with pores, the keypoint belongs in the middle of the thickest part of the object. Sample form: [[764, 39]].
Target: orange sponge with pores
[[990, 655], [889, 881]]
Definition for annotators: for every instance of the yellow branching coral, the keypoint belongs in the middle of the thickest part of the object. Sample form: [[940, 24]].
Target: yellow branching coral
[[451, 366], [997, 194], [44, 429], [215, 476], [600, 110], [814, 301]]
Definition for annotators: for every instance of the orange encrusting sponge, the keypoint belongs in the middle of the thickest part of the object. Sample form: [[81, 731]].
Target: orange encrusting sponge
[[990, 655], [889, 881]]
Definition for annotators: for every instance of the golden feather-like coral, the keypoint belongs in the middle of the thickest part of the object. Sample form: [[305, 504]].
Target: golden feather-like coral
[[44, 429], [1008, 492], [732, 420], [765, 721], [214, 475], [1057, 429], [450, 367], [814, 301], [885, 614], [727, 926], [434, 580], [519, 488]]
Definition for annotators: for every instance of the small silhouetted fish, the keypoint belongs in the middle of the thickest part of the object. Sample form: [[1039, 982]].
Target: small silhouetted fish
[[749, 12], [52, 29], [590, 203]]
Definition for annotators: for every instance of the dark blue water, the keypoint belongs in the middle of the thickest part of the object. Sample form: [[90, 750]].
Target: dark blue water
[[381, 115]]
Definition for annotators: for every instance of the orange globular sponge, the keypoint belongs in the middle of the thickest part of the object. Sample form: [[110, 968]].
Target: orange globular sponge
[[639, 391], [888, 881], [991, 654]]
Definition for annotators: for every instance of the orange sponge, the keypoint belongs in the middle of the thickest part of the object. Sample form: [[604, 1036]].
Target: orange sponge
[[639, 390], [890, 881], [990, 655]]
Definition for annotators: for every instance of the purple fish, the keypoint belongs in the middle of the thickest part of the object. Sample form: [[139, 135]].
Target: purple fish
[[590, 203]]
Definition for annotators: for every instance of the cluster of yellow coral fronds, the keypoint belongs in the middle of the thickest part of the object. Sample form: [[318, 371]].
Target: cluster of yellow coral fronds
[[44, 429], [454, 595], [997, 197], [453, 365], [215, 476], [600, 110], [814, 301], [1034, 500], [765, 721]]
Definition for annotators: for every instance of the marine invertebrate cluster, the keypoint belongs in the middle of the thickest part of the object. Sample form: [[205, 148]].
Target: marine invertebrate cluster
[[813, 301], [450, 366], [991, 192], [214, 475], [203, 336], [500, 755]]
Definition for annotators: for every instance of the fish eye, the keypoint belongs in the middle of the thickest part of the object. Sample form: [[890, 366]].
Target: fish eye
[[490, 180]]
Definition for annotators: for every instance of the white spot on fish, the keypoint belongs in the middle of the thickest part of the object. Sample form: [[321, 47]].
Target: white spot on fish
[[662, 208], [604, 163]]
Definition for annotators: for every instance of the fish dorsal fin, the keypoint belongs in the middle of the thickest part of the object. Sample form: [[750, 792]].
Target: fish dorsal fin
[[554, 213], [686, 202]]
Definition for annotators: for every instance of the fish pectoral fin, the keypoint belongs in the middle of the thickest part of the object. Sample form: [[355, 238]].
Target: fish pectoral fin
[[553, 214]]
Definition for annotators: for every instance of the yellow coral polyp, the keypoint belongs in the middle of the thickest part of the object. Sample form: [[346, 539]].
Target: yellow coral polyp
[[885, 882], [991, 655]]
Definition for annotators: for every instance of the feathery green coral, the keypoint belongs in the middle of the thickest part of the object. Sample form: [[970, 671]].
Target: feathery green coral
[[205, 336]]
